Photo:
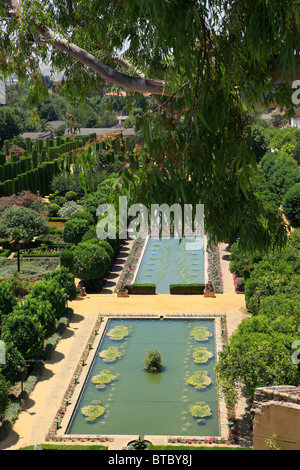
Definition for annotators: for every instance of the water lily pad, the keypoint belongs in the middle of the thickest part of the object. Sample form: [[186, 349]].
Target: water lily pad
[[111, 354], [118, 333], [93, 411], [201, 355], [103, 379], [200, 409], [199, 380], [200, 333]]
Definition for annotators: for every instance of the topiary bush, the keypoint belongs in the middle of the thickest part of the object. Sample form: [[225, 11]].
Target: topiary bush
[[53, 209], [74, 230], [50, 290], [66, 260], [93, 260]]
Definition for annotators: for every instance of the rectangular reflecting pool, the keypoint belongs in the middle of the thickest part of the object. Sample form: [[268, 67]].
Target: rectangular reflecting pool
[[120, 397], [166, 261]]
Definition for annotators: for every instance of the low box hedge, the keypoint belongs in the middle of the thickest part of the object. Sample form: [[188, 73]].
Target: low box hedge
[[187, 289], [141, 289]]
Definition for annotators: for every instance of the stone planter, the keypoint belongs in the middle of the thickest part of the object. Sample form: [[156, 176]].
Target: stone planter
[[122, 293], [209, 294]]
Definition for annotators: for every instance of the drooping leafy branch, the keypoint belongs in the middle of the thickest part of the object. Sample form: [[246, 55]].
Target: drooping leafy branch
[[208, 59]]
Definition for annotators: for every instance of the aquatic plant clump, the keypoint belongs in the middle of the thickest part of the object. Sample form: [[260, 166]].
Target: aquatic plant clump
[[199, 380], [200, 409], [102, 379], [201, 333], [93, 411], [201, 355], [118, 333], [111, 354]]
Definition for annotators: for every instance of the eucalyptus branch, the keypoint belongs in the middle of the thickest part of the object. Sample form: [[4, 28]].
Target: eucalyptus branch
[[135, 84]]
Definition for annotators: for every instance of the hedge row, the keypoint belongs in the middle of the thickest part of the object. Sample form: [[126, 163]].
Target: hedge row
[[141, 289], [187, 289], [36, 179]]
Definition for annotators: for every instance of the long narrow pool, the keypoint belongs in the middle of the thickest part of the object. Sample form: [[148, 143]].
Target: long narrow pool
[[137, 402], [167, 261]]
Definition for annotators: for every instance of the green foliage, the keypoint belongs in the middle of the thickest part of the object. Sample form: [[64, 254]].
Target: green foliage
[[92, 258], [74, 230], [40, 309], [260, 144], [200, 410], [201, 355], [93, 411], [102, 379], [25, 333], [200, 333], [65, 279], [53, 209], [281, 171], [66, 260], [153, 361], [111, 354], [4, 395], [141, 289], [7, 299], [291, 205], [118, 333], [187, 289], [23, 221], [50, 290], [200, 380], [13, 358]]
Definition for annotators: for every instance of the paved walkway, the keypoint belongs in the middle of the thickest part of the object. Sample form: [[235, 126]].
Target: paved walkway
[[41, 407]]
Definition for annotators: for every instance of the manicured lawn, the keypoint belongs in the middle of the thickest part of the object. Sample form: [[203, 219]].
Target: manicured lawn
[[187, 448], [66, 447]]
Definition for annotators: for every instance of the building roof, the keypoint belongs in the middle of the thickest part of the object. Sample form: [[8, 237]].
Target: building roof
[[102, 131]]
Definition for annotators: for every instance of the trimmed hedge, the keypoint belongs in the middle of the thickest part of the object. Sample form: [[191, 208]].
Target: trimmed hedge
[[187, 289], [141, 289]]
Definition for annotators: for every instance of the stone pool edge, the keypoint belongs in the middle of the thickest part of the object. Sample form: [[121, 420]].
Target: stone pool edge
[[118, 441]]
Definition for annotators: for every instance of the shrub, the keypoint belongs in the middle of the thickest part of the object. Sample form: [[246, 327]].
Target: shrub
[[26, 221], [4, 395], [10, 369], [71, 196], [68, 209], [53, 209], [93, 259], [74, 230], [187, 289], [50, 290], [7, 300], [83, 214], [291, 205], [65, 279], [153, 361], [42, 310], [25, 333], [141, 289], [66, 259]]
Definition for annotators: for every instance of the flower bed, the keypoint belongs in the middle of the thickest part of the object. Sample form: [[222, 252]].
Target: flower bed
[[131, 263], [235, 282], [214, 268]]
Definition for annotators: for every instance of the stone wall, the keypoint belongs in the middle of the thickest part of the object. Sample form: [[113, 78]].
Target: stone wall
[[276, 412]]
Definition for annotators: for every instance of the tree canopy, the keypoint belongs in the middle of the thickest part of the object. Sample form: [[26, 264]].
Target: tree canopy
[[201, 60]]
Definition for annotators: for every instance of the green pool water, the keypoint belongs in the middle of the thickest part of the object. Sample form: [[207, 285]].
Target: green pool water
[[167, 261], [140, 403]]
